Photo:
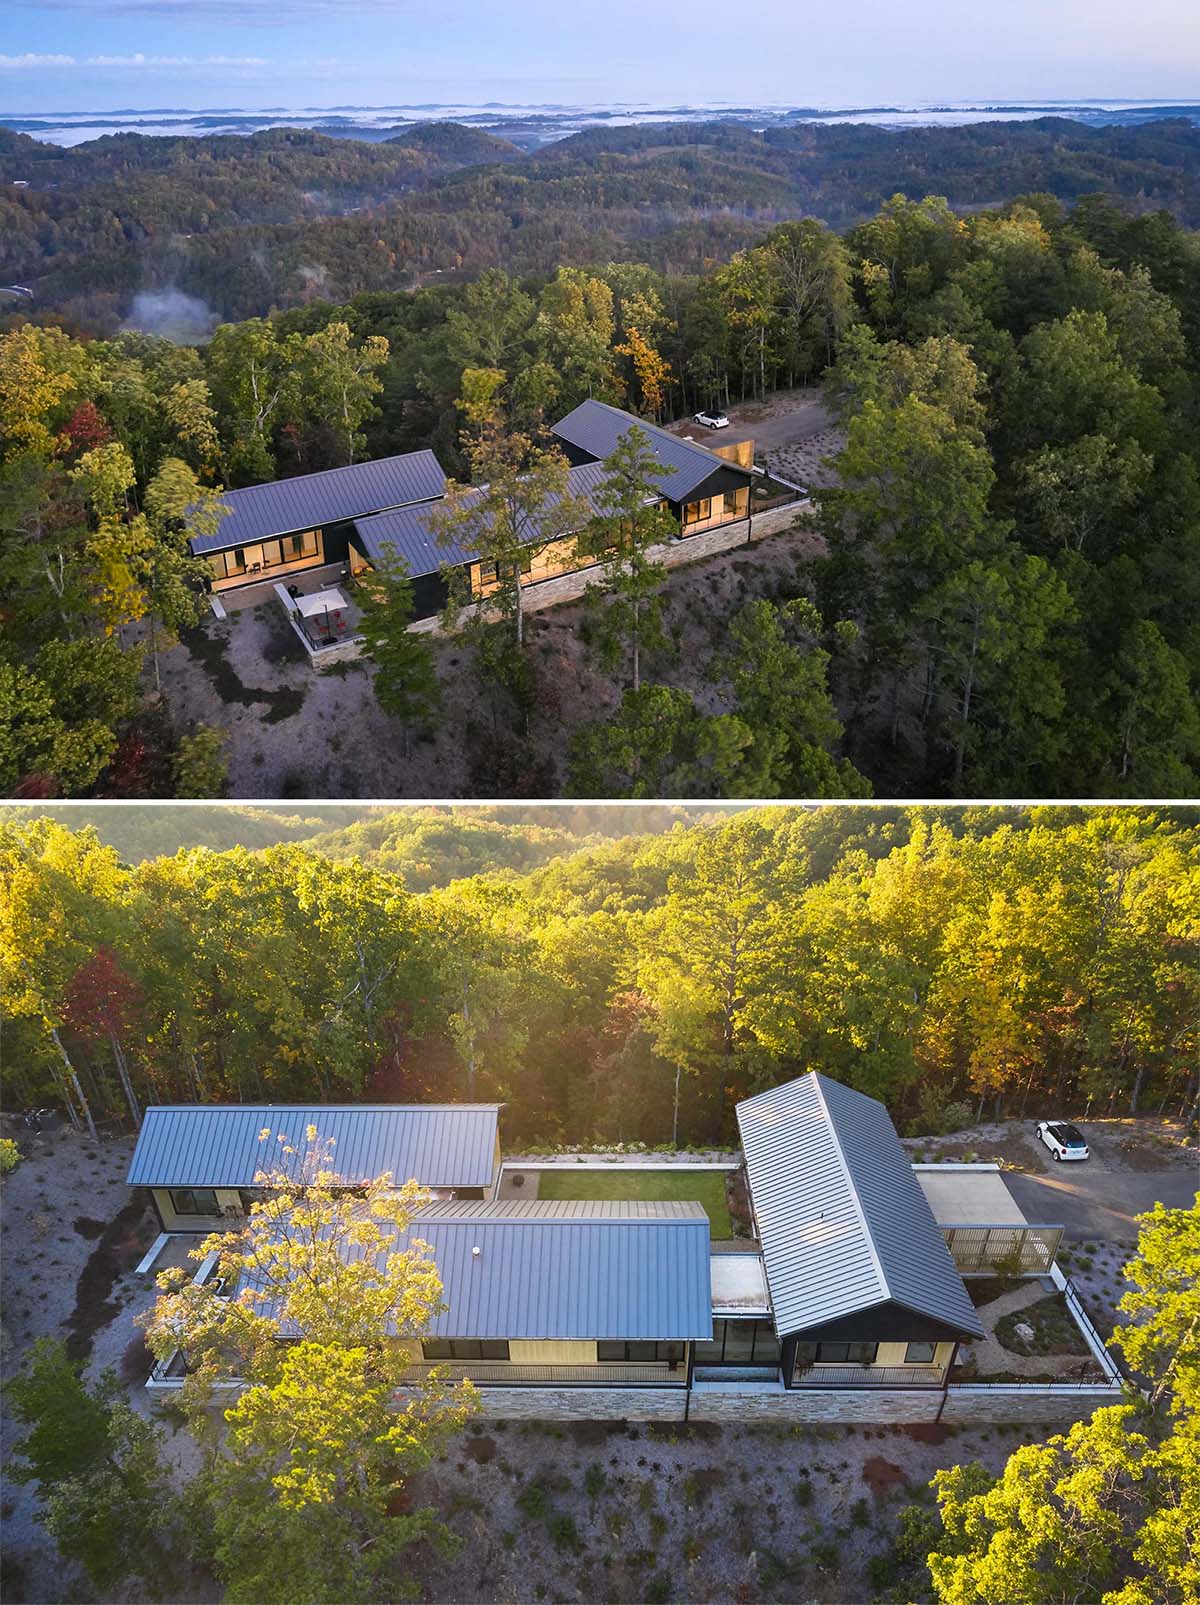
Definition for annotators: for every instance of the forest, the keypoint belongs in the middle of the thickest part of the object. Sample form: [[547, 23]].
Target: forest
[[1001, 599], [251, 225], [954, 962]]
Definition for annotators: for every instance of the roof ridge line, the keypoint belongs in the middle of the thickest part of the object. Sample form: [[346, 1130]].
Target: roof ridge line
[[338, 468], [853, 1185]]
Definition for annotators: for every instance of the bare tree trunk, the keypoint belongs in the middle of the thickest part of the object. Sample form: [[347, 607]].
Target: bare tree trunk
[[122, 1065], [73, 1078], [675, 1110]]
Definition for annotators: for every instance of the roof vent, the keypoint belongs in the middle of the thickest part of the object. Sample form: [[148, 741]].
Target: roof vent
[[476, 1251]]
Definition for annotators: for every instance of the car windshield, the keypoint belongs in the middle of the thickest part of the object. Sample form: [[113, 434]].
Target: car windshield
[[1072, 1136]]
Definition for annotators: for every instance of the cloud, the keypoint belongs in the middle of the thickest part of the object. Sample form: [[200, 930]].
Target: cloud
[[135, 63], [29, 60], [140, 60]]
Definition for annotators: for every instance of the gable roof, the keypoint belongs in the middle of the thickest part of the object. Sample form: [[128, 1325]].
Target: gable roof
[[406, 530], [217, 1145], [843, 1222], [571, 1269], [285, 506], [595, 427]]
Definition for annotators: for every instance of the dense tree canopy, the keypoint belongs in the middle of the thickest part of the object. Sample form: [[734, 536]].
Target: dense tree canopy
[[1022, 960]]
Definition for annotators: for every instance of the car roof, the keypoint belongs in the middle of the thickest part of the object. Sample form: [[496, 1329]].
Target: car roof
[[1066, 1131]]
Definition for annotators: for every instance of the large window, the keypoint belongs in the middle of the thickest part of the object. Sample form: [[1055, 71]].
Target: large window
[[194, 1200], [464, 1349], [697, 512], [644, 1352], [835, 1354], [739, 1343], [920, 1353], [731, 501], [241, 561]]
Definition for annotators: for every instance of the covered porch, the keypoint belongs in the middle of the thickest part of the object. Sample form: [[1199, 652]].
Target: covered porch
[[984, 1228]]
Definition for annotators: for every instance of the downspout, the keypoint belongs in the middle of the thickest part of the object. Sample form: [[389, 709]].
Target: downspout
[[946, 1382], [687, 1387]]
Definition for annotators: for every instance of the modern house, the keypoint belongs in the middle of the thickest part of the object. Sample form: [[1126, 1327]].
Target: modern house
[[201, 1162], [351, 517], [702, 487], [847, 1304], [289, 525]]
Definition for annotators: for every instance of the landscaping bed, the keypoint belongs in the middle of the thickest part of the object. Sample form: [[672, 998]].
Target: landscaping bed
[[704, 1187], [1055, 1330]]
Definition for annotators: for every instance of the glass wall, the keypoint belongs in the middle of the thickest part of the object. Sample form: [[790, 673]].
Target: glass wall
[[265, 557], [739, 1343]]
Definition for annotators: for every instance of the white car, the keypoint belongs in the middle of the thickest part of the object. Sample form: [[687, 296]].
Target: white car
[[1063, 1140], [711, 420]]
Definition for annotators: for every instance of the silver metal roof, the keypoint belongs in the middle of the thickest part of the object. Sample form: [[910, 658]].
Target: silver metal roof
[[595, 427], [843, 1222], [579, 1269], [407, 531], [287, 506], [214, 1145]]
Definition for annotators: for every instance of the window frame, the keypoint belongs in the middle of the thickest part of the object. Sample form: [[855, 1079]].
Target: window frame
[[911, 1359], [193, 1193]]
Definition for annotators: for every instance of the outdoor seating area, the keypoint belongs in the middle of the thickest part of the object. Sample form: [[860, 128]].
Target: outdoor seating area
[[324, 618]]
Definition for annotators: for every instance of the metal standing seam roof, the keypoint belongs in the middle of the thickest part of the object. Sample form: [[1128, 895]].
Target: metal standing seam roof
[[286, 506], [843, 1222], [213, 1145], [568, 1270], [595, 427], [406, 529]]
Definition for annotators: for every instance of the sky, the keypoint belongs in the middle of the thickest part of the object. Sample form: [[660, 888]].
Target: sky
[[99, 55]]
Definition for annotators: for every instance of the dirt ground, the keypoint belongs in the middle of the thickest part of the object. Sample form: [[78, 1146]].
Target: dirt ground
[[792, 430], [296, 732], [627, 1513]]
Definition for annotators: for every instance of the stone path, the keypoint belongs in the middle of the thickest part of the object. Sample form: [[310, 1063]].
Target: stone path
[[991, 1356]]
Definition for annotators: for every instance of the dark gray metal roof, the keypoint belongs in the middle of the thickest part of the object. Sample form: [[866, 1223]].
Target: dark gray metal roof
[[286, 506], [570, 1269], [562, 1270], [407, 530], [595, 427], [214, 1145], [843, 1222]]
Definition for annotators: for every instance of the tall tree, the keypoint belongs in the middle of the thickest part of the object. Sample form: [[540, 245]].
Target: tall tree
[[625, 610], [405, 680]]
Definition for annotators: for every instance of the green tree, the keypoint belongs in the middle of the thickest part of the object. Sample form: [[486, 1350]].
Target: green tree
[[341, 381], [658, 745], [200, 767], [327, 1426], [105, 1495], [777, 673], [405, 680], [625, 610], [1162, 1341], [521, 507]]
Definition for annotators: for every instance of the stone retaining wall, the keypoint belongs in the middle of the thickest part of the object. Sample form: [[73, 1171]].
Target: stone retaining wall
[[674, 554], [964, 1406]]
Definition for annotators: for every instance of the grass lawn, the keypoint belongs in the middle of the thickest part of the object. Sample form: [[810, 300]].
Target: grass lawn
[[704, 1187]]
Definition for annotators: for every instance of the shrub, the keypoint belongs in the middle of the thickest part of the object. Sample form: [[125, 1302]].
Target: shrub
[[804, 1490], [658, 1589], [594, 1481], [562, 1530], [531, 1501], [10, 1154], [860, 1512]]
